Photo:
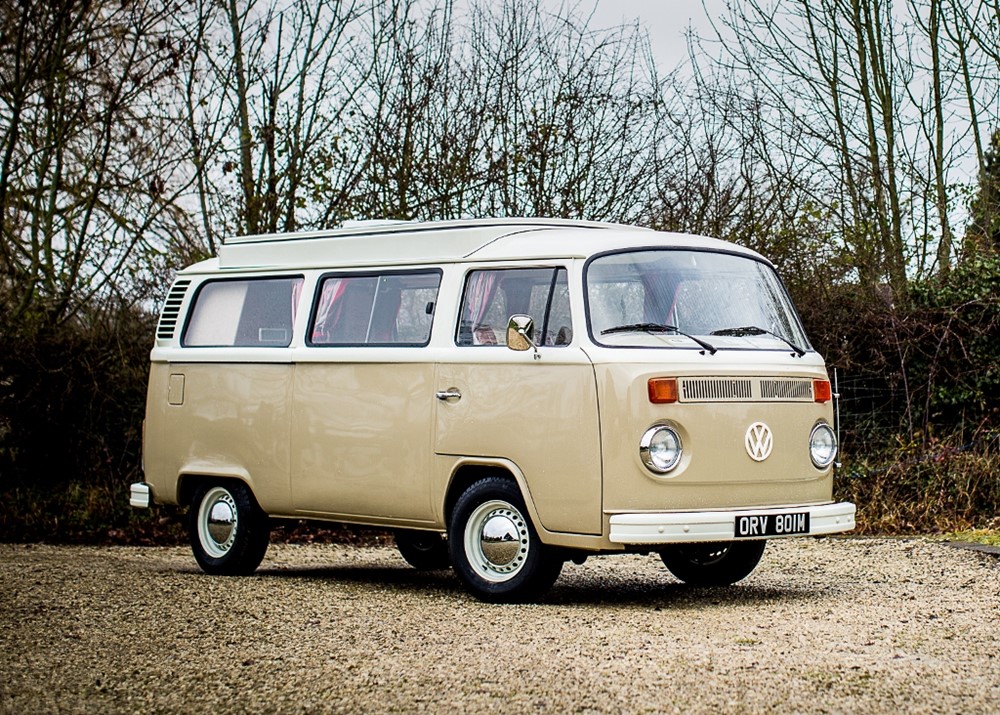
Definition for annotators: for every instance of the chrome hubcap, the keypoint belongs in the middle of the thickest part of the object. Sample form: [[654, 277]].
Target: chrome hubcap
[[217, 522], [499, 540], [496, 541]]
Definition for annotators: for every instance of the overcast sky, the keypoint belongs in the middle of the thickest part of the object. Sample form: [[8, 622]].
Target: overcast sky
[[666, 21]]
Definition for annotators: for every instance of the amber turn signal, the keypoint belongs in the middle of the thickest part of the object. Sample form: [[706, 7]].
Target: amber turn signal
[[662, 390], [822, 392]]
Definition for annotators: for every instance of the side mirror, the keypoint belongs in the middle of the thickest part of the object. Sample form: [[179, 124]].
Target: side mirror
[[520, 334]]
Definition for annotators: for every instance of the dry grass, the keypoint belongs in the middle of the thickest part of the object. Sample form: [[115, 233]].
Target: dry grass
[[986, 537], [937, 490]]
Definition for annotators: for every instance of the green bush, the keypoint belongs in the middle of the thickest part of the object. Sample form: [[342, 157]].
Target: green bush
[[954, 346]]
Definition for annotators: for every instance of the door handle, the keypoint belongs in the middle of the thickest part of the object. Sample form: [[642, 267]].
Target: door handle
[[451, 393]]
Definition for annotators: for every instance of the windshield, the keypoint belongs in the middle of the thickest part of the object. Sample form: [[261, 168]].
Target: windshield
[[729, 300]]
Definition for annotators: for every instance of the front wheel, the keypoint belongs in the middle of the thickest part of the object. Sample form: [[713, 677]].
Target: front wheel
[[494, 548], [229, 531], [713, 564]]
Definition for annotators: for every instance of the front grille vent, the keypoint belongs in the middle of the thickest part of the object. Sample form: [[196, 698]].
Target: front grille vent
[[171, 310], [786, 389], [716, 389], [745, 389]]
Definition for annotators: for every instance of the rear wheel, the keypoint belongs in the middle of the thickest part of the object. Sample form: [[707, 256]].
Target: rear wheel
[[228, 530], [423, 550], [495, 550], [713, 564]]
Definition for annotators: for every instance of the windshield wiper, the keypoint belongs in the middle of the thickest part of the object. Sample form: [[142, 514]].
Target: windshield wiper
[[749, 330], [659, 328], [637, 327]]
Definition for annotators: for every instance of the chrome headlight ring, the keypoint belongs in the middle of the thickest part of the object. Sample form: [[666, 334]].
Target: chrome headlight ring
[[661, 449], [822, 445]]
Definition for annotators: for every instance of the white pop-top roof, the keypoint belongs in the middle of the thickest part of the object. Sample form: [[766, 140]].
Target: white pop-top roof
[[410, 243]]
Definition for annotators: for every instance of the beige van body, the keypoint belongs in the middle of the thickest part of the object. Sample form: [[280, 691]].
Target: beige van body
[[273, 395]]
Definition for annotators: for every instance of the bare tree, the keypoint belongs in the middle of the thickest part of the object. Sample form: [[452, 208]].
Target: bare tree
[[84, 183], [506, 110], [266, 88], [422, 117], [572, 112], [934, 125], [873, 95], [973, 31]]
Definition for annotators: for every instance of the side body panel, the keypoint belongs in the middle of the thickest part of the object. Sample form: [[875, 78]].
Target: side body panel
[[361, 437], [219, 419]]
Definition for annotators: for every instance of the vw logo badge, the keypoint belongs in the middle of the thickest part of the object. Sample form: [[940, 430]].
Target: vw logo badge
[[759, 441]]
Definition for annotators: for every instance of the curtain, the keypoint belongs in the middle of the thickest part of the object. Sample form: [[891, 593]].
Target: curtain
[[479, 295], [296, 294], [328, 311]]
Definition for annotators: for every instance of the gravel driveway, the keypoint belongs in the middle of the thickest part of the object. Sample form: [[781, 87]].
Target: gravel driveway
[[823, 625]]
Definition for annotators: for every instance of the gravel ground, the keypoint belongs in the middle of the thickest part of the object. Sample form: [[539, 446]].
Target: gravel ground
[[823, 625]]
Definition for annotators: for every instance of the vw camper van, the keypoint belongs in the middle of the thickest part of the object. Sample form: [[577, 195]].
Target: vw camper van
[[505, 395]]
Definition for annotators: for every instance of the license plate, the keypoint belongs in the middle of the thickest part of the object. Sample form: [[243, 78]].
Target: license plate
[[749, 526]]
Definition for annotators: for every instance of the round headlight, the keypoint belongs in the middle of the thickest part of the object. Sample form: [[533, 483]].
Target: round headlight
[[822, 446], [660, 449]]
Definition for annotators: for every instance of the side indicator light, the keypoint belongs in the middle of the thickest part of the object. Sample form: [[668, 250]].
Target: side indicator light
[[662, 390], [822, 392]]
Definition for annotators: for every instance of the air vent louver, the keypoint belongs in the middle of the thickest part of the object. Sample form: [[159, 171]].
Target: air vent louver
[[786, 389], [716, 389], [745, 389], [171, 310]]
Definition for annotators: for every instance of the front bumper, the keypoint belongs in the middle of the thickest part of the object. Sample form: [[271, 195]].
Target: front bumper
[[696, 526]]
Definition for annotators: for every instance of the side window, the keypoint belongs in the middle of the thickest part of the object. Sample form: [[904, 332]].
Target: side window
[[386, 309], [491, 297], [258, 312]]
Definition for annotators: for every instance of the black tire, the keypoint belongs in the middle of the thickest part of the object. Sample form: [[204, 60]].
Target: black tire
[[719, 563], [423, 550], [228, 530], [514, 565]]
